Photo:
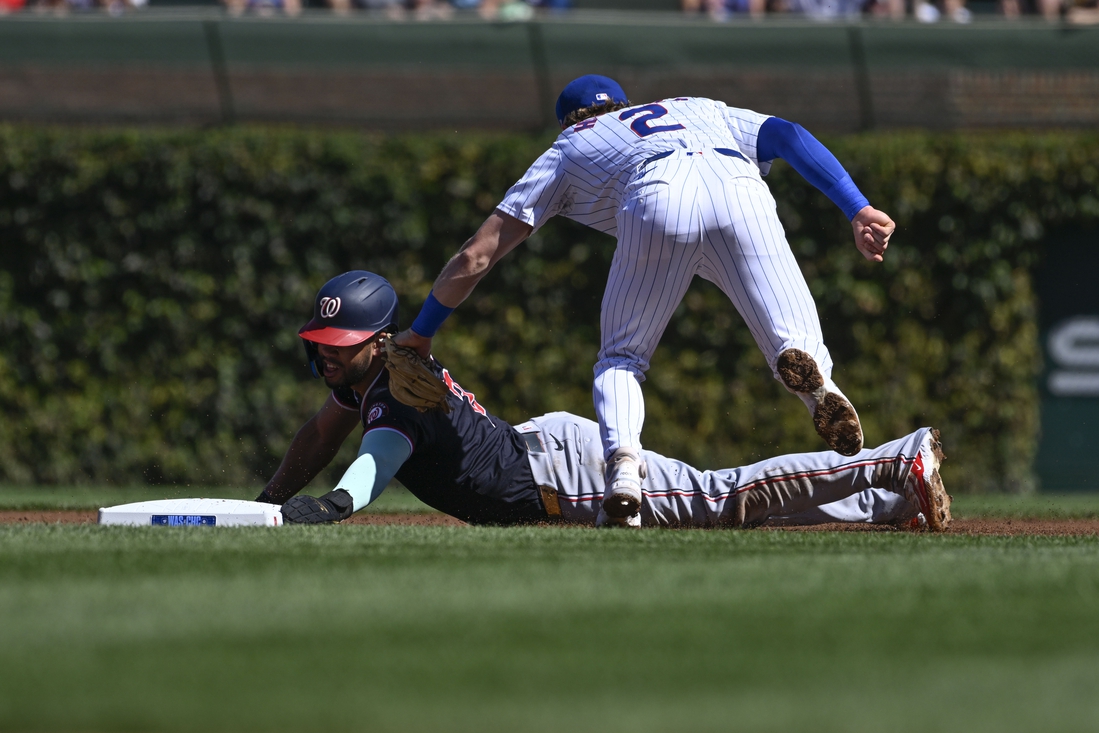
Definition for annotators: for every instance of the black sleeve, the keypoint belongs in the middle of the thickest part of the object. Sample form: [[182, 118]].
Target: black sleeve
[[382, 410]]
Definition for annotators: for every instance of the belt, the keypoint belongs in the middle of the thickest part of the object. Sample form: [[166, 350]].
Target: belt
[[729, 152], [533, 443], [549, 501]]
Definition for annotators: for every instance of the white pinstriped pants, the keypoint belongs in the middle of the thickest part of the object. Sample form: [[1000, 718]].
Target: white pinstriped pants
[[694, 214]]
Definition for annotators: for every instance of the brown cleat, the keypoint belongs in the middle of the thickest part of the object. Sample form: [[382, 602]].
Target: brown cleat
[[937, 492], [925, 486], [834, 416]]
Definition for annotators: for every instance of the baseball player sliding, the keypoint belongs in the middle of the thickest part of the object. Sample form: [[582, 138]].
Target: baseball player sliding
[[679, 184], [470, 464]]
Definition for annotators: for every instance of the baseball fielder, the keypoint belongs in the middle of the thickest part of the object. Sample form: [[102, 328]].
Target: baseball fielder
[[472, 465], [679, 184]]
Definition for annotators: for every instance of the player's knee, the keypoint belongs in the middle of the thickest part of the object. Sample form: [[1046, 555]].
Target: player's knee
[[629, 364]]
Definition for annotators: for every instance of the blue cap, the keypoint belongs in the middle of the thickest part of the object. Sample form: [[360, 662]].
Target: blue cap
[[586, 91]]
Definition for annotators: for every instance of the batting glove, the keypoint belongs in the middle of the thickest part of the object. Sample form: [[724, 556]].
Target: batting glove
[[334, 506]]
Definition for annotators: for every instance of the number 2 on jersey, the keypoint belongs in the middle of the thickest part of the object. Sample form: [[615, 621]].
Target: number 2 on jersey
[[648, 113]]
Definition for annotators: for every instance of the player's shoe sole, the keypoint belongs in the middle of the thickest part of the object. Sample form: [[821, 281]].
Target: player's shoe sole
[[622, 498], [917, 523], [834, 416], [631, 522], [924, 488]]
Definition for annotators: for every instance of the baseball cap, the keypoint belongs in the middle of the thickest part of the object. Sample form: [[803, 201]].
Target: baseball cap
[[588, 90]]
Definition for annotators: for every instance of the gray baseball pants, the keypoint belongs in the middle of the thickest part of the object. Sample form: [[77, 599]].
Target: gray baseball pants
[[800, 488]]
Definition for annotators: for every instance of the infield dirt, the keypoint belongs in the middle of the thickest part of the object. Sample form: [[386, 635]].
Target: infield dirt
[[1010, 527]]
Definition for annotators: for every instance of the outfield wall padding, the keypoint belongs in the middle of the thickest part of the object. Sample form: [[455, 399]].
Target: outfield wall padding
[[201, 67]]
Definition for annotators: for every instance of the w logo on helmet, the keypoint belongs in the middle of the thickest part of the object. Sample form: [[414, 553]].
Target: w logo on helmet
[[329, 307]]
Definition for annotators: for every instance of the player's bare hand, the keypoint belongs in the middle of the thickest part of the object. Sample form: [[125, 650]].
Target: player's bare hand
[[413, 340], [872, 230]]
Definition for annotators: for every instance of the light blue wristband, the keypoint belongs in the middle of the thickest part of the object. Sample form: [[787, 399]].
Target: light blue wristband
[[432, 315]]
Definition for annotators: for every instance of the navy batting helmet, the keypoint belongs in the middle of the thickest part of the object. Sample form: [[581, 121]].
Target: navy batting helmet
[[349, 309]]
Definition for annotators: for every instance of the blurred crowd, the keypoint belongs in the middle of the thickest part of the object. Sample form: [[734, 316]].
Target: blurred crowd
[[63, 7], [400, 9], [925, 11], [407, 9]]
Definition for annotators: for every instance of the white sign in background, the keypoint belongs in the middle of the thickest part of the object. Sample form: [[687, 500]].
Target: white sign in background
[[1073, 346]]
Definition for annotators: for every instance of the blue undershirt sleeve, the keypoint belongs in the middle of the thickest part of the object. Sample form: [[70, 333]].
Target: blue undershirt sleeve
[[790, 141], [381, 455]]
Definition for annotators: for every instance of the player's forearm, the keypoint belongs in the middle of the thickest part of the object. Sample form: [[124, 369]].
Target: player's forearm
[[307, 456], [779, 138], [453, 285], [462, 273], [381, 455], [294, 474], [499, 234]]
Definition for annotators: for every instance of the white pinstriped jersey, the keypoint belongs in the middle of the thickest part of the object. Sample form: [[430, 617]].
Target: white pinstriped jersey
[[585, 173]]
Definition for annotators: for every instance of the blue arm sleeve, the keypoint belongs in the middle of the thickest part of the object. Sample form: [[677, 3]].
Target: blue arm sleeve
[[381, 454], [816, 164]]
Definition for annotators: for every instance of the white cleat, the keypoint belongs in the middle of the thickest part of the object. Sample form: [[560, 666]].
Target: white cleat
[[631, 522], [924, 488], [622, 497], [834, 416]]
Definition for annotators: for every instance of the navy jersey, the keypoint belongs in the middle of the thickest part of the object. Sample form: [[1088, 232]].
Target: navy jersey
[[469, 464]]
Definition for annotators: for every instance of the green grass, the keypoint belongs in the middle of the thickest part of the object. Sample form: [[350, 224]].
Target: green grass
[[1083, 505], [395, 499], [346, 628]]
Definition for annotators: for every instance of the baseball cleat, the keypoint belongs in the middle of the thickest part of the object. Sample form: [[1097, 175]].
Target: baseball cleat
[[631, 522], [834, 416], [914, 523], [924, 487], [622, 497]]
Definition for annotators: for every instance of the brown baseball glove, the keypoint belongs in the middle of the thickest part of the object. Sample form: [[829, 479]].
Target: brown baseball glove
[[411, 380]]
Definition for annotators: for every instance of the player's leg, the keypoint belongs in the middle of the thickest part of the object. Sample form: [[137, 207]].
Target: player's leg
[[679, 494], [748, 257], [872, 506], [863, 489], [879, 485], [569, 459], [792, 484], [651, 270]]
